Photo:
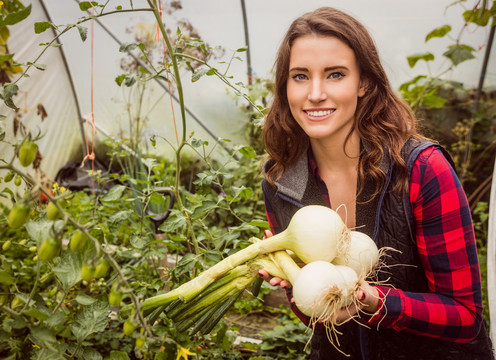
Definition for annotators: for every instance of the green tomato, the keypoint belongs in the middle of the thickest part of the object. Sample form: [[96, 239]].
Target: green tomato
[[52, 212], [128, 327], [87, 272], [102, 269], [115, 297], [15, 302], [78, 240], [17, 180], [8, 177], [6, 245], [53, 291], [140, 342], [27, 152], [49, 249], [18, 215]]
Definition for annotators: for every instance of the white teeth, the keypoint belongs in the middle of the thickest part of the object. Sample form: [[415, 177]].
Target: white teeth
[[319, 113]]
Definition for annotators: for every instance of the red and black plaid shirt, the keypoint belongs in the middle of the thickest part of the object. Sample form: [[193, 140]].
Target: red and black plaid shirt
[[452, 309]]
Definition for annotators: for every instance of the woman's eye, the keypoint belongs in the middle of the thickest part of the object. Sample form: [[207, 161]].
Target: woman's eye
[[299, 77], [336, 75]]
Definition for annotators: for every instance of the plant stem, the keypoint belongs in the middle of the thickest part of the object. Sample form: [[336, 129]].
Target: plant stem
[[224, 80]]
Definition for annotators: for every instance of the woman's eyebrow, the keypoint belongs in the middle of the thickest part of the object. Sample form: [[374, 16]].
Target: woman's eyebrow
[[328, 68], [337, 67], [298, 69]]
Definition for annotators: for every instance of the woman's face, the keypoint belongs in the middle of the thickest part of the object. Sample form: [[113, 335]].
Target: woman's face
[[323, 86]]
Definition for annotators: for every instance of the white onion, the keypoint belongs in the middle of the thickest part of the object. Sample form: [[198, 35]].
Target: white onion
[[361, 254], [321, 288], [313, 233]]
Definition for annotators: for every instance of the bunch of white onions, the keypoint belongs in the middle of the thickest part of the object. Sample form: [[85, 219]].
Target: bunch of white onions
[[316, 235]]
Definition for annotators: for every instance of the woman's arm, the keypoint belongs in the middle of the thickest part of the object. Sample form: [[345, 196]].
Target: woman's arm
[[452, 309]]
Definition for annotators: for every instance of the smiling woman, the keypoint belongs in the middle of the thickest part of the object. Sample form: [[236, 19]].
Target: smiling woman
[[337, 135], [323, 87]]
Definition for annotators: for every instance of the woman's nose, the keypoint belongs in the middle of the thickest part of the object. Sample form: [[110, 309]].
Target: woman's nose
[[317, 92]]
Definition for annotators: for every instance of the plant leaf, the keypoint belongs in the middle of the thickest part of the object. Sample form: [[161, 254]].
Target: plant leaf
[[198, 142], [477, 16], [83, 32], [9, 90], [41, 229], [198, 74], [438, 32], [85, 5], [68, 270], [413, 59], [15, 17], [41, 67], [176, 220], [6, 278], [40, 27], [119, 79], [459, 53], [264, 224], [43, 334], [246, 151], [203, 210], [85, 299], [91, 319], [120, 216], [91, 354], [433, 101], [114, 193], [118, 355], [128, 47]]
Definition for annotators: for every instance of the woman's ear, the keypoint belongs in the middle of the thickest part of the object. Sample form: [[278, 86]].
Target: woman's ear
[[363, 87]]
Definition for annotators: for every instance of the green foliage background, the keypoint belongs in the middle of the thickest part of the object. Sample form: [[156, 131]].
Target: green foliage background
[[53, 309]]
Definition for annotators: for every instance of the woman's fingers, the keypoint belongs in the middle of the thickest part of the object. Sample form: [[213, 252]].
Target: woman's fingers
[[368, 300], [264, 274], [267, 234]]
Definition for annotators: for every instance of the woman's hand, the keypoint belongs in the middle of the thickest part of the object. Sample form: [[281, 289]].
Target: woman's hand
[[368, 302], [274, 281]]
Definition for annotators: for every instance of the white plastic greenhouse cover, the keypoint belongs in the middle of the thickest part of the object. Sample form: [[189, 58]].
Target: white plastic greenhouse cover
[[399, 28]]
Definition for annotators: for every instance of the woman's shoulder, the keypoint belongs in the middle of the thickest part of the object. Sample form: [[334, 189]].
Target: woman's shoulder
[[433, 156], [424, 152], [433, 166]]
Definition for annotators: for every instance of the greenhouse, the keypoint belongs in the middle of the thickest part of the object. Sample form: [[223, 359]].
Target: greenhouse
[[150, 210]]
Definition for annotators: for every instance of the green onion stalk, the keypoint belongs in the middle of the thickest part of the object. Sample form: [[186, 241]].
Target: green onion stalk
[[197, 285], [202, 312], [207, 296]]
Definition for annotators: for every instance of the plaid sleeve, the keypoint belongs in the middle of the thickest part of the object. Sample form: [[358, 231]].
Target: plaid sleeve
[[452, 309]]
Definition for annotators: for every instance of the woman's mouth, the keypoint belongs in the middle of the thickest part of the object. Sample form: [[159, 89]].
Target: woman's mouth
[[319, 113]]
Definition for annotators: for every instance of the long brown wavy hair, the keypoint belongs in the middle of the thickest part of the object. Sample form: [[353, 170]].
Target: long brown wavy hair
[[382, 119]]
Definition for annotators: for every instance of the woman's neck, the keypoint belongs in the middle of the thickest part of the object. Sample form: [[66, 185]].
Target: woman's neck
[[336, 156], [338, 168]]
